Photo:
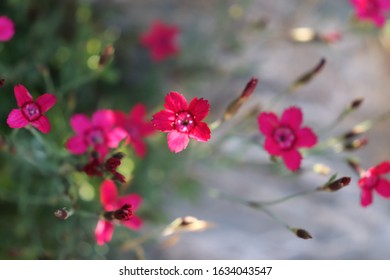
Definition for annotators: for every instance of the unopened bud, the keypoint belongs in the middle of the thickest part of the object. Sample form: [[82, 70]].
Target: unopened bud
[[118, 177], [336, 185], [118, 155], [233, 107], [308, 76], [356, 144], [356, 103], [107, 53], [63, 213], [1, 83], [301, 233]]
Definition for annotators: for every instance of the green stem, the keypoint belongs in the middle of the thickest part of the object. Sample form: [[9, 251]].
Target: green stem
[[280, 200]]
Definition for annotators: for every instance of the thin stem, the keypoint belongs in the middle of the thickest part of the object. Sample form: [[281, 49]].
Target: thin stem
[[283, 199]]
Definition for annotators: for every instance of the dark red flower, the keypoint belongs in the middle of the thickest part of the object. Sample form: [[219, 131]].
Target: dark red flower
[[284, 137], [161, 40], [136, 126], [183, 121], [30, 111], [371, 180]]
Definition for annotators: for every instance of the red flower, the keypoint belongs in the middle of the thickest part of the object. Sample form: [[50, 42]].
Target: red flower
[[371, 180], [30, 111], [120, 209], [285, 136], [136, 127], [99, 133], [372, 10], [182, 121], [161, 40], [7, 29]]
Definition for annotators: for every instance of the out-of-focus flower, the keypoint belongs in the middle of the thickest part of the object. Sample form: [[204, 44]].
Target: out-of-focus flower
[[117, 209], [98, 133], [371, 180], [372, 10], [161, 40], [136, 126], [30, 111], [284, 137], [183, 121], [7, 29]]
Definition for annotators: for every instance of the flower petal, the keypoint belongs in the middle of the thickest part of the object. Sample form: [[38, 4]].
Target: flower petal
[[365, 197], [139, 147], [80, 123], [138, 112], [134, 200], [22, 95], [175, 102], [163, 120], [292, 159], [16, 119], [76, 145], [135, 223], [201, 132], [104, 118], [115, 136], [306, 138], [46, 101], [7, 28], [199, 108], [177, 141], [42, 124], [103, 232], [271, 147], [267, 123], [109, 195], [292, 117], [382, 168], [383, 188]]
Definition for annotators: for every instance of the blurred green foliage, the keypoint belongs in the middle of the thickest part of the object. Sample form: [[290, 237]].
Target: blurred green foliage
[[56, 49]]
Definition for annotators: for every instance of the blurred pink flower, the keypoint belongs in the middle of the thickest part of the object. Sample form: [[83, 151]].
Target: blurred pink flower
[[161, 40], [99, 133], [30, 111], [372, 180], [118, 208], [182, 121], [7, 29], [372, 10], [284, 137], [136, 127]]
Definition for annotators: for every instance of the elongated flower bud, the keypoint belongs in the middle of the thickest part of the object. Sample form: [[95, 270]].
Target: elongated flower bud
[[336, 184], [308, 76], [301, 233], [105, 56], [233, 107]]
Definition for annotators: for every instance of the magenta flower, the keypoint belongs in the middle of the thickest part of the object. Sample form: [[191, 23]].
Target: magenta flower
[[372, 10], [161, 40], [117, 209], [137, 128], [372, 180], [98, 133], [284, 137], [182, 121], [7, 29], [30, 111]]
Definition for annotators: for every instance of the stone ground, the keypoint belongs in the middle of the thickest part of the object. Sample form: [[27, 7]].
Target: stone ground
[[357, 66]]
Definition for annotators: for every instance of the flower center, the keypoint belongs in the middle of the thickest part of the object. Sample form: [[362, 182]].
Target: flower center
[[371, 180], [122, 214], [31, 111], [184, 122], [96, 136], [284, 137]]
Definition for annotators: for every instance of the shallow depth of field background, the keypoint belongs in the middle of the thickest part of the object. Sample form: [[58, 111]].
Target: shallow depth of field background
[[223, 44]]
